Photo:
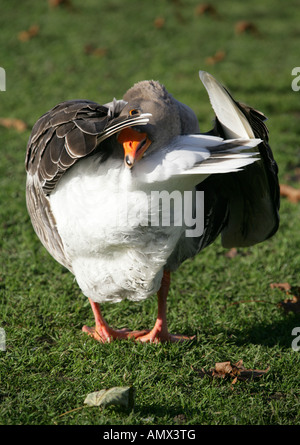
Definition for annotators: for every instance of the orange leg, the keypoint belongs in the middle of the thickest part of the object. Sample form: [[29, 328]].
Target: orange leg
[[103, 333]]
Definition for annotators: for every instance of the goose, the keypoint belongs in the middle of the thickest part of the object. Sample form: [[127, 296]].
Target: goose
[[121, 194]]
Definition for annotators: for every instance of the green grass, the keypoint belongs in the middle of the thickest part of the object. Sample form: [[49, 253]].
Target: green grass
[[49, 366]]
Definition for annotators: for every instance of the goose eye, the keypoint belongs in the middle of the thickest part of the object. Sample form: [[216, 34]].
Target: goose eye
[[133, 112]]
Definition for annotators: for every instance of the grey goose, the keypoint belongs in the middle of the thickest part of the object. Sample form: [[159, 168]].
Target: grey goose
[[95, 176]]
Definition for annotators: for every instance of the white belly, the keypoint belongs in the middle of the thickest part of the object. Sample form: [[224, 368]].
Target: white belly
[[103, 220]]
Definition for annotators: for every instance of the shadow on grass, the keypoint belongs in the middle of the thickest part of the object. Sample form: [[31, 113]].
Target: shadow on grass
[[152, 413], [278, 333]]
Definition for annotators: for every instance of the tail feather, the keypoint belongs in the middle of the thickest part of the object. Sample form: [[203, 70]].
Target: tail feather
[[233, 121], [251, 196]]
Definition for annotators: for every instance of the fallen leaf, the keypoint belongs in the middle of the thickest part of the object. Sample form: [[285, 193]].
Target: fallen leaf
[[56, 3], [218, 57], [206, 8], [17, 124], [118, 395], [282, 286], [292, 194], [122, 396], [289, 304], [27, 35], [159, 22], [90, 49], [237, 371], [246, 27], [222, 369]]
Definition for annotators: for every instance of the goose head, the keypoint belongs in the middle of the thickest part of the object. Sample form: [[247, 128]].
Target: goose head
[[169, 118]]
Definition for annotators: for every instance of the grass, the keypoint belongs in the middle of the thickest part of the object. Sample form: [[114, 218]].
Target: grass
[[49, 366]]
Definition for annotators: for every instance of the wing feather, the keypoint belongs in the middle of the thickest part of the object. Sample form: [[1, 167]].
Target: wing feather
[[252, 195], [68, 132]]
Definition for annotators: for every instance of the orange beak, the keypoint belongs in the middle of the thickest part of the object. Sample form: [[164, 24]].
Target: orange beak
[[134, 143]]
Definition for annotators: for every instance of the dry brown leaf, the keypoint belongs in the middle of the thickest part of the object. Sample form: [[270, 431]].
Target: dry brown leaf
[[218, 57], [292, 194], [24, 36], [90, 49], [222, 369], [159, 22], [17, 124], [246, 27], [291, 304], [282, 286], [206, 8], [237, 371], [56, 3]]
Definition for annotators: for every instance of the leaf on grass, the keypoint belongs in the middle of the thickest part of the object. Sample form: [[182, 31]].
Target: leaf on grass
[[17, 124], [292, 194], [246, 27], [282, 286], [218, 57], [289, 304], [27, 35], [237, 371], [159, 22], [56, 3], [118, 395], [90, 49], [206, 8]]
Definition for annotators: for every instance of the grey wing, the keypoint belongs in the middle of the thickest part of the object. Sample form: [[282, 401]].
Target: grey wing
[[43, 221], [61, 137], [68, 132]]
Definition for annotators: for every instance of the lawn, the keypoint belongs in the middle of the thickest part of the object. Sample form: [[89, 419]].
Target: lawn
[[97, 50]]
